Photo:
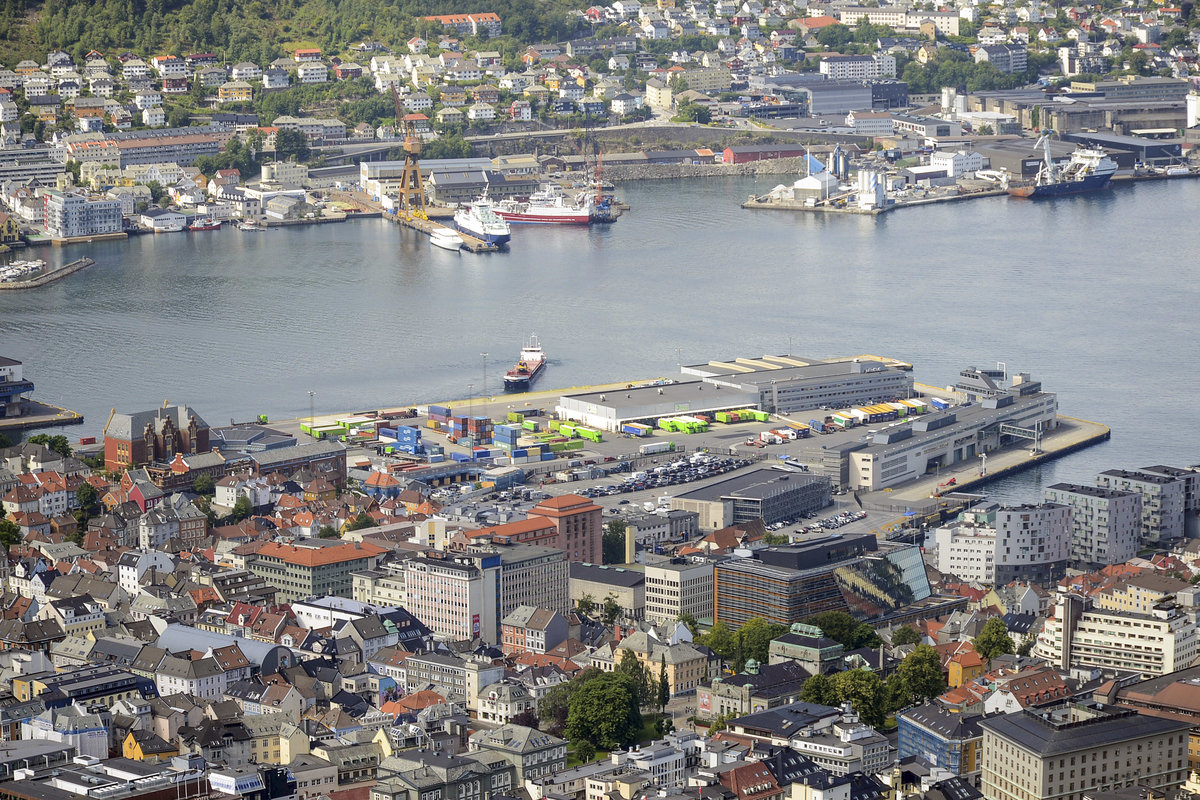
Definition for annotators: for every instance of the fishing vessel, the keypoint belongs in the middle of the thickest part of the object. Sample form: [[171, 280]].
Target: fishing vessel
[[479, 219], [204, 224], [446, 239], [532, 360], [549, 205], [1088, 170]]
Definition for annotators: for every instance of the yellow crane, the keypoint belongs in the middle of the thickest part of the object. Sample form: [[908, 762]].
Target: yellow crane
[[412, 190]]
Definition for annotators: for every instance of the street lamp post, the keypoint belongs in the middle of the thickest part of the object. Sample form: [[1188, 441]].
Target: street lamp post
[[311, 413], [485, 390]]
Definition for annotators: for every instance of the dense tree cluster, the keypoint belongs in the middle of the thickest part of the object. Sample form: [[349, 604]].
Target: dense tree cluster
[[256, 30]]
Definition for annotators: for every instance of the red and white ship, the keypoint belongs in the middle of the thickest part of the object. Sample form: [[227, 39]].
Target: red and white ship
[[549, 205]]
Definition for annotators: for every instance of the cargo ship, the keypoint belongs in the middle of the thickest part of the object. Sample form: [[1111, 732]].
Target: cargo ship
[[479, 219], [549, 205], [1088, 170], [528, 366]]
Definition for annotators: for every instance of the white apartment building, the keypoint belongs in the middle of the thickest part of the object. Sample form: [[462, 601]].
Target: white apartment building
[[67, 215], [859, 68], [1105, 523], [957, 162], [675, 589], [457, 597], [1162, 501], [995, 545], [1080, 635]]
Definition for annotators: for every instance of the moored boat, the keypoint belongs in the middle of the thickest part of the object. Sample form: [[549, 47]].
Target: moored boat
[[529, 365], [1088, 170], [204, 224], [548, 206], [446, 239], [479, 219]]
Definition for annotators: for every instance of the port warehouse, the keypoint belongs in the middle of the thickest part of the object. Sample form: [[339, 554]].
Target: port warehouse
[[766, 494], [904, 451], [775, 384]]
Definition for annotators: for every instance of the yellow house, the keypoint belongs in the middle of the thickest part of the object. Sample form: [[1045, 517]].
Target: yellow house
[[963, 667], [686, 666], [147, 746], [9, 230], [234, 92]]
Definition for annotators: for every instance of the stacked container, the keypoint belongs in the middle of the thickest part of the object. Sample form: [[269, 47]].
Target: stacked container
[[404, 438]]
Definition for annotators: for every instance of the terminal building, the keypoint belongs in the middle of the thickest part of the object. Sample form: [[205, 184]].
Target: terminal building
[[766, 494], [992, 417]]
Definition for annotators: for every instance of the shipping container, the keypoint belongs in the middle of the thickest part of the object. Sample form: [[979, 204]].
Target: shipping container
[[938, 403], [650, 448], [761, 416]]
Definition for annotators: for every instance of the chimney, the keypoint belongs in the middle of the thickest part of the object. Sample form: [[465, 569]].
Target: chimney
[[616, 633]]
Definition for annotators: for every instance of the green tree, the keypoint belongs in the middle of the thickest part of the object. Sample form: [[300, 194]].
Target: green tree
[[1027, 643], [291, 144], [720, 640], [10, 533], [843, 628], [363, 520], [204, 485], [819, 689], [586, 605], [178, 117], [630, 666], [451, 145], [777, 538], [994, 640], [906, 634], [156, 191], [613, 543], [864, 691], [605, 712], [59, 444], [664, 684], [719, 723], [690, 621], [327, 532], [88, 499], [610, 611], [242, 508], [756, 636], [585, 751], [920, 674], [835, 36]]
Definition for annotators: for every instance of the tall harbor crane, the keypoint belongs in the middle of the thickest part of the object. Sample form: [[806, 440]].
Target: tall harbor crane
[[412, 189]]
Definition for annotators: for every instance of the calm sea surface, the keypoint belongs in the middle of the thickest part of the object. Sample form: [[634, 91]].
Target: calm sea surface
[[1096, 296]]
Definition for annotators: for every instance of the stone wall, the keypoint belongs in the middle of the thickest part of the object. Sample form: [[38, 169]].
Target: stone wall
[[649, 172]]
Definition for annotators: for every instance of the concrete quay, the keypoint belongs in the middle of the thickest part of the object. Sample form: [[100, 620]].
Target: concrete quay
[[41, 415], [926, 497]]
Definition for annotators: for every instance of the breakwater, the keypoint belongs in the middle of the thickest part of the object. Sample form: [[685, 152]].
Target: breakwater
[[49, 277]]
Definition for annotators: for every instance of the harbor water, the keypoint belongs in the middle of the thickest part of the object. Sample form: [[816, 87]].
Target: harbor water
[[1095, 295]]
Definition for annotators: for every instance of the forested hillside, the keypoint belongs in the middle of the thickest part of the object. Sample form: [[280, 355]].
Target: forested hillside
[[254, 30]]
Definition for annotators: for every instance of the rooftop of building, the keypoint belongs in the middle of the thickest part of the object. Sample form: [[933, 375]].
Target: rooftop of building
[[1069, 727], [757, 484]]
